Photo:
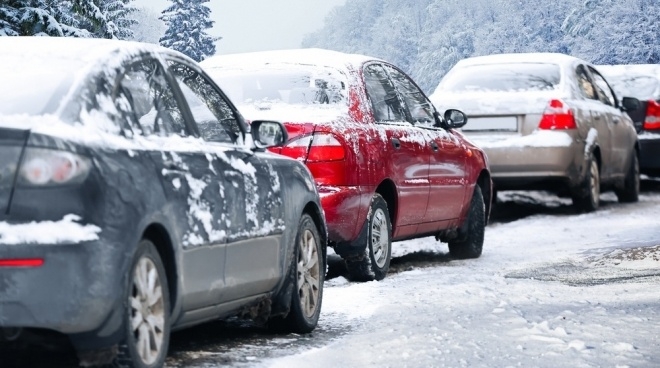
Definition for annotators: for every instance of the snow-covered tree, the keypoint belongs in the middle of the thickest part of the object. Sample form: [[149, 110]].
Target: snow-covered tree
[[40, 18], [106, 18], [187, 21], [68, 18]]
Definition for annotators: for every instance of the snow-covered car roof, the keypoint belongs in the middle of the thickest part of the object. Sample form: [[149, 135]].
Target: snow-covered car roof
[[320, 57], [540, 57], [652, 69], [77, 50]]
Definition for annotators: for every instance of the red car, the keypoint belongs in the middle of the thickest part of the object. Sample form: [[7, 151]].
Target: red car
[[387, 165]]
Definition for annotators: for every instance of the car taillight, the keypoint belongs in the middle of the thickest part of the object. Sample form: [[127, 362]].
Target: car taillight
[[557, 116], [25, 262], [325, 148], [297, 148], [652, 121], [41, 167]]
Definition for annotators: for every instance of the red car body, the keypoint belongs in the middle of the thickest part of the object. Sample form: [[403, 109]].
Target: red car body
[[426, 173]]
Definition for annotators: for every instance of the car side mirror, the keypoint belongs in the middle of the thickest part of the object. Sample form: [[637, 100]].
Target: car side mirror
[[630, 104], [455, 118], [266, 134]]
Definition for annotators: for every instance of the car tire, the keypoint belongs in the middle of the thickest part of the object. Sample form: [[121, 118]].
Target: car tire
[[307, 277], [630, 191], [375, 262], [470, 245], [147, 313], [588, 197]]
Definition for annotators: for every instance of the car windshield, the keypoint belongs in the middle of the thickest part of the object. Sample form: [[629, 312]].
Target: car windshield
[[513, 77], [34, 85], [284, 84], [643, 87]]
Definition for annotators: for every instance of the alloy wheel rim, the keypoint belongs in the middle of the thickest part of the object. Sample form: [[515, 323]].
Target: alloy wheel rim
[[309, 269], [379, 237], [147, 311]]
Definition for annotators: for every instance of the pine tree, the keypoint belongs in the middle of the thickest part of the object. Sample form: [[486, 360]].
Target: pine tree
[[186, 22], [40, 18], [106, 18]]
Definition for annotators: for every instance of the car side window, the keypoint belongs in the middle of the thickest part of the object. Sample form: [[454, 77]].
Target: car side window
[[155, 110], [605, 94], [213, 115], [419, 107], [384, 99], [584, 83]]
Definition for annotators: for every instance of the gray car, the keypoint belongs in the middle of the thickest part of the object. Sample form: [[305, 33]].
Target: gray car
[[549, 122], [134, 200]]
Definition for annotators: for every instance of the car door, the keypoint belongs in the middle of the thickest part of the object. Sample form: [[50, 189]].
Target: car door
[[447, 182], [187, 177], [252, 208], [600, 118], [619, 126], [405, 148]]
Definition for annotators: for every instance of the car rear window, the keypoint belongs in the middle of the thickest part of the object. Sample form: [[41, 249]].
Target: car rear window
[[642, 87], [33, 87], [512, 77], [287, 84]]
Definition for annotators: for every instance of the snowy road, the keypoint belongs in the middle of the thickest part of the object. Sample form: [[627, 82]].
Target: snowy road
[[552, 289]]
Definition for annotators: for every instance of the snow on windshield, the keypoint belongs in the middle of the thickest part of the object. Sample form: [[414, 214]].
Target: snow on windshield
[[289, 91], [506, 77]]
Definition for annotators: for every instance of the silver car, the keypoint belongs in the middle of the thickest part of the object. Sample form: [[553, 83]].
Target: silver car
[[547, 121]]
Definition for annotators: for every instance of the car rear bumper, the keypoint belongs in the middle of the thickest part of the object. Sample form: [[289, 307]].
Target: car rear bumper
[[344, 212], [75, 290], [649, 162], [523, 167]]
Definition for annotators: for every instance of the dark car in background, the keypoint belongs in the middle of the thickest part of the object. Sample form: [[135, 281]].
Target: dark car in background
[[547, 122], [388, 166], [643, 82], [134, 202]]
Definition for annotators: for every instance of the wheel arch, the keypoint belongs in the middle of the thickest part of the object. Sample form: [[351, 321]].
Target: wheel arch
[[387, 190], [314, 211], [159, 236], [485, 182]]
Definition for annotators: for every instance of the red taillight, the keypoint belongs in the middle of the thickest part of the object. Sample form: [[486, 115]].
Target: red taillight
[[51, 167], [320, 147], [557, 116], [652, 121], [27, 262], [297, 148], [324, 148]]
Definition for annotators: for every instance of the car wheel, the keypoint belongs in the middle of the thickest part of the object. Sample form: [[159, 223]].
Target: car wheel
[[375, 263], [471, 243], [588, 198], [147, 332], [309, 267], [630, 190]]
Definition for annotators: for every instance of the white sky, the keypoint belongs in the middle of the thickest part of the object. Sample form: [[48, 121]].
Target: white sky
[[258, 25]]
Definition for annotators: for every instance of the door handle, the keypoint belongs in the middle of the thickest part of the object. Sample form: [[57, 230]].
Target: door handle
[[596, 117], [434, 146], [396, 143], [616, 120]]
